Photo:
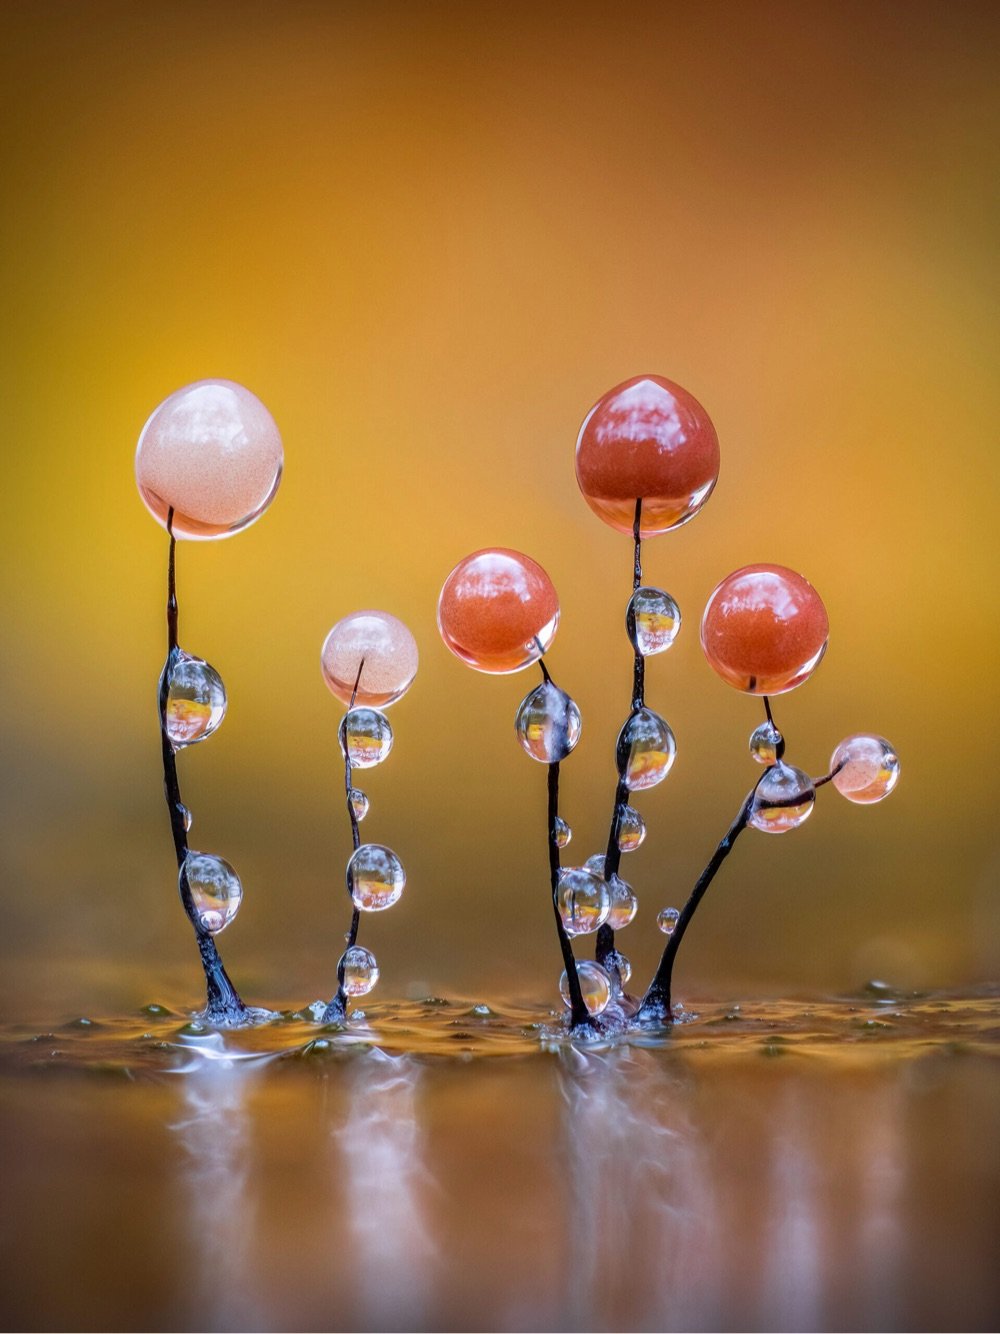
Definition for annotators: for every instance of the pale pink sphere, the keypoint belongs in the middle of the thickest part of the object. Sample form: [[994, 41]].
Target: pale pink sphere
[[212, 453], [386, 647], [867, 768]]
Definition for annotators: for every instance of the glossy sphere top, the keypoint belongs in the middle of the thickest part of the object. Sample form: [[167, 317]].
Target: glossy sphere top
[[498, 610], [386, 647], [649, 438], [212, 452], [764, 629]]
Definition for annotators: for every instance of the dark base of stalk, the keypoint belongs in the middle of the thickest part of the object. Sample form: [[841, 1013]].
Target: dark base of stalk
[[336, 1011]]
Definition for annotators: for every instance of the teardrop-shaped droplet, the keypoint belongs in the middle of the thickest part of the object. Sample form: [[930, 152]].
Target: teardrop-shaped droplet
[[359, 803], [619, 961], [583, 900], [765, 743], [595, 986], [624, 904], [646, 750], [216, 892], [196, 701], [361, 972], [563, 832], [365, 737], [631, 829], [652, 620], [547, 723], [783, 799], [667, 920], [187, 819], [375, 877]]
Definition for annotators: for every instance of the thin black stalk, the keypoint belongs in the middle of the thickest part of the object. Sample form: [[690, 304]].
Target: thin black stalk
[[336, 1011], [828, 778], [224, 1003], [779, 750], [579, 1016], [605, 946]]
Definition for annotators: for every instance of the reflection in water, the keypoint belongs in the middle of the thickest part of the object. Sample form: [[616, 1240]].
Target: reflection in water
[[378, 1158]]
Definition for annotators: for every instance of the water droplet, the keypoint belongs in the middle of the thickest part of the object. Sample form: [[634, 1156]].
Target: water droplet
[[623, 965], [652, 620], [196, 701], [359, 803], [365, 737], [375, 877], [870, 768], [596, 864], [784, 799], [187, 819], [361, 972], [667, 920], [624, 904], [645, 750], [631, 829], [583, 900], [595, 986], [563, 833], [216, 892], [765, 742], [547, 723]]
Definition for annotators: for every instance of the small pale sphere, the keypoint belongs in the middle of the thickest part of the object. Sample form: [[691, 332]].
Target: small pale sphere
[[498, 611], [365, 737], [631, 829], [196, 701], [583, 900], [595, 986], [764, 629], [870, 768], [375, 877], [647, 438], [361, 972], [645, 750], [652, 620], [563, 832], [215, 888], [667, 920], [624, 904], [212, 452], [595, 864], [784, 799], [359, 803], [547, 723], [765, 742], [386, 648]]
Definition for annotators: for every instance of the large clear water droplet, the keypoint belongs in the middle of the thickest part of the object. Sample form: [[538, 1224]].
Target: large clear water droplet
[[765, 742], [196, 701], [375, 877], [631, 829], [365, 737], [361, 972], [595, 986], [652, 620], [624, 904], [583, 900], [563, 832], [667, 920], [784, 798], [645, 750], [868, 768], [359, 803], [216, 892], [547, 723]]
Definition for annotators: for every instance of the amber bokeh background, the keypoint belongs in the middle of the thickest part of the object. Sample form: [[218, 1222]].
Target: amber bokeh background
[[429, 236]]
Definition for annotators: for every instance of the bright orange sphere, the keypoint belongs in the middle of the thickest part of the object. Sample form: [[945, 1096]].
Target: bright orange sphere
[[765, 629], [649, 438], [498, 611]]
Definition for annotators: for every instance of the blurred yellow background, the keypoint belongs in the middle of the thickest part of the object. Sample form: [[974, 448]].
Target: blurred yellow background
[[429, 236]]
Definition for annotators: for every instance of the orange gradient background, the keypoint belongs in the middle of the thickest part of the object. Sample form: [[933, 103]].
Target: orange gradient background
[[429, 236]]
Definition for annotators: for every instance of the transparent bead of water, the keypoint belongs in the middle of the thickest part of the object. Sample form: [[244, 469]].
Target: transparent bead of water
[[216, 892], [765, 742], [196, 701], [375, 877], [623, 965], [870, 768], [783, 800], [645, 750], [624, 904], [547, 723], [583, 900], [631, 829], [187, 818], [359, 803], [652, 620], [667, 920], [596, 864], [563, 832], [361, 972], [595, 986], [365, 737]]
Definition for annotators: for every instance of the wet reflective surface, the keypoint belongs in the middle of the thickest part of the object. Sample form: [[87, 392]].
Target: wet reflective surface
[[447, 1164]]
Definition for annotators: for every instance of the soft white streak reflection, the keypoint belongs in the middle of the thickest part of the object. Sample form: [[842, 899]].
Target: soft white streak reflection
[[792, 1260]]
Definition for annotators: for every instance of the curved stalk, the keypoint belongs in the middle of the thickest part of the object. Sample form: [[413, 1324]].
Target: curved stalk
[[336, 1011]]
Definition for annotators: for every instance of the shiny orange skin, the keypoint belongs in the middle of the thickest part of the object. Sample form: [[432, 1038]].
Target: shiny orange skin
[[493, 607]]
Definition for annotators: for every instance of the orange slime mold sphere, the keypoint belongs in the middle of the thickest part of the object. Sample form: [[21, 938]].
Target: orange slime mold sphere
[[649, 438], [764, 629], [498, 611]]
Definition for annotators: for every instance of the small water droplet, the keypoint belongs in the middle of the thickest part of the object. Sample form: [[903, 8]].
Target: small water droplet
[[645, 750], [624, 904], [548, 723], [583, 900], [784, 798], [667, 920], [365, 737], [375, 877], [596, 864], [765, 742], [361, 972], [196, 701], [595, 986], [186, 818], [216, 892], [652, 620], [631, 829], [563, 833], [359, 803]]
